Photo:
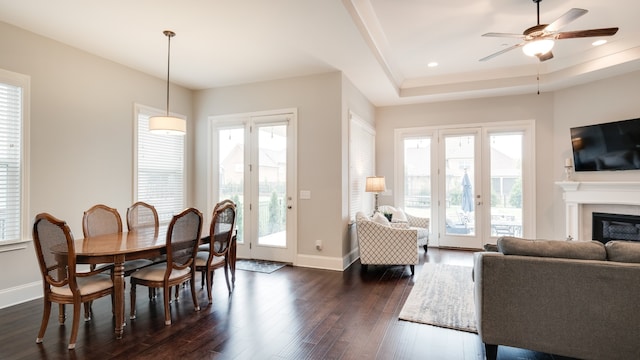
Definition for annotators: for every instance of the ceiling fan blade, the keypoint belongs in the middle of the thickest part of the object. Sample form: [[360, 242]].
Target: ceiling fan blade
[[501, 52], [545, 57], [586, 33], [508, 35], [565, 19]]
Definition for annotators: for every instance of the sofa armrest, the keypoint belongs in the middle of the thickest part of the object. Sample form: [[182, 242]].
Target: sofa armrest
[[417, 221], [385, 245]]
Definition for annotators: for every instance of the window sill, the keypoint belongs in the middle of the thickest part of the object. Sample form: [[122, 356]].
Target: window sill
[[6, 246]]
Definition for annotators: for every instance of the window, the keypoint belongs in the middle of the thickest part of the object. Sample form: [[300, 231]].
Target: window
[[362, 142], [159, 167], [14, 121]]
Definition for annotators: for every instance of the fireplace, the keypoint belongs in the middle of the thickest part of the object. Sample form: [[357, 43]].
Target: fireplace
[[608, 227], [584, 197]]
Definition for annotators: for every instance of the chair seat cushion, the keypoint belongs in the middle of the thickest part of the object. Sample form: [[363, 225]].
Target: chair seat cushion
[[86, 285], [202, 257], [156, 272]]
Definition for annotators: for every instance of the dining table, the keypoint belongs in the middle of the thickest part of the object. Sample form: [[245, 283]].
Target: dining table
[[116, 248]]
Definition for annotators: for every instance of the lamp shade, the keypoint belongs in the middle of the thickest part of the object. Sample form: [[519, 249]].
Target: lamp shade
[[538, 47], [167, 125], [375, 184]]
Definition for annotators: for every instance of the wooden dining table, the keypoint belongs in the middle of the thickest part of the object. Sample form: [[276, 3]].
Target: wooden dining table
[[142, 243]]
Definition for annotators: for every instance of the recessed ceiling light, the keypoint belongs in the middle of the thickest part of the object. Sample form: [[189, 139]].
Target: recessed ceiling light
[[432, 64], [599, 42]]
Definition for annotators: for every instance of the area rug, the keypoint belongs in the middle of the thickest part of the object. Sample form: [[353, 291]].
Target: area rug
[[442, 296], [262, 266]]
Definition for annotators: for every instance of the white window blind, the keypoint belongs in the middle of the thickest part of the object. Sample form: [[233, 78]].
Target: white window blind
[[11, 167], [362, 141], [159, 168]]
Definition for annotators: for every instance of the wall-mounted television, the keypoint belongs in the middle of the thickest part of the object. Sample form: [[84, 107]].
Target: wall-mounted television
[[608, 146]]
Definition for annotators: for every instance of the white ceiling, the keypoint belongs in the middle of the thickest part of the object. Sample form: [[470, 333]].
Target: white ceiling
[[382, 46]]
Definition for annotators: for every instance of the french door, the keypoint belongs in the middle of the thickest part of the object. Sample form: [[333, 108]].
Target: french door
[[474, 183], [255, 158]]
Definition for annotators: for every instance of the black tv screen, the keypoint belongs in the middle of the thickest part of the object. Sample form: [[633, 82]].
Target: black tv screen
[[608, 146]]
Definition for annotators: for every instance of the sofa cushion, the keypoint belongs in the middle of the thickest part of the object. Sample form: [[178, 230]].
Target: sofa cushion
[[623, 251], [585, 250]]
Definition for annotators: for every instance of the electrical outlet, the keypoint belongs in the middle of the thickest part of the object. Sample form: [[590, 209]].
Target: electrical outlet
[[319, 245]]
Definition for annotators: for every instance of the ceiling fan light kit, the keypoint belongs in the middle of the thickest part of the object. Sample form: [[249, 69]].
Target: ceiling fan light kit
[[538, 40], [538, 47]]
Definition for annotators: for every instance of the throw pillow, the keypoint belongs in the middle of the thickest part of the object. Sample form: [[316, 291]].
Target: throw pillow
[[623, 251], [585, 250], [399, 216], [380, 219]]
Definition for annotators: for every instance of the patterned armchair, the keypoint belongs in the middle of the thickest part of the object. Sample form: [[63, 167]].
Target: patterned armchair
[[385, 244], [413, 222]]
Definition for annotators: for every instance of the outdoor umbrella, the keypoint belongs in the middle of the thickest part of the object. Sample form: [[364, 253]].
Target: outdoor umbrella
[[467, 194]]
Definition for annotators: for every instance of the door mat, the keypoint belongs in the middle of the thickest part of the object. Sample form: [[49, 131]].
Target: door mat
[[262, 266]]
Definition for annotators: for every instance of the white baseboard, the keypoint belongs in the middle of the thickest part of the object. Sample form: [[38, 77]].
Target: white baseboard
[[19, 294], [327, 263]]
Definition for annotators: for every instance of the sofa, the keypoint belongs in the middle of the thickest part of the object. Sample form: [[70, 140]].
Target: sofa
[[578, 299], [384, 243]]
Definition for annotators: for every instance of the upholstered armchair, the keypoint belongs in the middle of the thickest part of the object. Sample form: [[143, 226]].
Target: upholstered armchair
[[399, 217], [384, 244]]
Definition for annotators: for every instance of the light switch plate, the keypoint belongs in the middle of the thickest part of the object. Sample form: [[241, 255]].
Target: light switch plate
[[305, 194]]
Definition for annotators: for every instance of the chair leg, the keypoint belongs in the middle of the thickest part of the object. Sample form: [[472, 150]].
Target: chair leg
[[62, 315], [45, 320], [74, 327], [87, 311], [209, 285], [413, 269], [167, 310], [202, 278], [226, 273], [132, 311], [425, 248], [193, 291]]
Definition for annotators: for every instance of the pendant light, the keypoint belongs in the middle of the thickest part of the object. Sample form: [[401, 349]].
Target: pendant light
[[167, 125]]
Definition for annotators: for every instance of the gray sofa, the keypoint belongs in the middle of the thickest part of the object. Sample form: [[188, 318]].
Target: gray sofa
[[578, 299]]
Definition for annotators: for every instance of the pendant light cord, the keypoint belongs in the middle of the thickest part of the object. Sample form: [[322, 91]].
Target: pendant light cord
[[169, 35]]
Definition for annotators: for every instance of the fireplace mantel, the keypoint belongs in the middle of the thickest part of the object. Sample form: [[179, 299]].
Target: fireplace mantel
[[578, 193]]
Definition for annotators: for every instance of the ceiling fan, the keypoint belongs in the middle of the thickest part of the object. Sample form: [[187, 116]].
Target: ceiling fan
[[539, 39]]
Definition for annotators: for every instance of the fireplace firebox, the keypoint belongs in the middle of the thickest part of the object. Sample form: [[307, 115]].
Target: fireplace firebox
[[608, 227]]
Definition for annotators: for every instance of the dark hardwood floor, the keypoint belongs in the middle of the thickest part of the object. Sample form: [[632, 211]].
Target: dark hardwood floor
[[293, 313]]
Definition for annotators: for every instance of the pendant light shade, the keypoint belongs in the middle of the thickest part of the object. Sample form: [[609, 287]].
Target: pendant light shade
[[168, 125]]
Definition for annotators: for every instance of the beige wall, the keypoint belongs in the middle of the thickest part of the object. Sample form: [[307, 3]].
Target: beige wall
[[613, 99], [317, 99], [81, 135]]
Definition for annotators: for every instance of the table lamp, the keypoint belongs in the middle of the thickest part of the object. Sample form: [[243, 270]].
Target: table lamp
[[375, 184]]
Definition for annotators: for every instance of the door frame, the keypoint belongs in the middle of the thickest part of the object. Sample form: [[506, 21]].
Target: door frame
[[527, 127], [228, 120]]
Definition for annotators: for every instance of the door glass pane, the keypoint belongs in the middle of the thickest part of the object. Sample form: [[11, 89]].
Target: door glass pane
[[459, 184], [417, 176], [231, 160], [506, 184], [272, 185]]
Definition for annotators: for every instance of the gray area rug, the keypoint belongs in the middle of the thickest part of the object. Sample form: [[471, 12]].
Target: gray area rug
[[442, 296], [262, 266]]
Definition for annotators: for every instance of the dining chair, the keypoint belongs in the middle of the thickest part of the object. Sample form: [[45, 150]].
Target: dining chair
[[183, 238], [61, 283], [99, 220], [220, 237], [141, 214]]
